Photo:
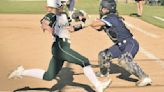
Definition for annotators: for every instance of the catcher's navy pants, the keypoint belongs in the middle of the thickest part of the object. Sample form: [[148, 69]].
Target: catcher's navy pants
[[61, 52], [129, 45]]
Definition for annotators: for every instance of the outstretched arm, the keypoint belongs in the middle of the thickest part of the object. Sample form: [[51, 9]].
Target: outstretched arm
[[96, 24]]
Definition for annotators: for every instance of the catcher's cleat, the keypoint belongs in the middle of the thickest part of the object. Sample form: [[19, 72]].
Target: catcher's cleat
[[144, 82], [99, 74], [17, 73], [103, 86]]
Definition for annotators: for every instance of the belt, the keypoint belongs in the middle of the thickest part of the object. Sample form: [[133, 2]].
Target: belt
[[66, 40], [122, 42], [63, 39]]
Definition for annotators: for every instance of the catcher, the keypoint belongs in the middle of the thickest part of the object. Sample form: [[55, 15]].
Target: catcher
[[61, 50], [125, 46]]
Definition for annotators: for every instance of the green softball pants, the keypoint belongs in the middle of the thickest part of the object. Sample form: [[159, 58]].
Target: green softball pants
[[61, 52]]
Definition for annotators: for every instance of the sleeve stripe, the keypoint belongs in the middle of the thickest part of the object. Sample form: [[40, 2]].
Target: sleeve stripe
[[108, 23]]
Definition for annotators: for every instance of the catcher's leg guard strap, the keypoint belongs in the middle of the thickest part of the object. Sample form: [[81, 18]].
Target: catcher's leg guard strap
[[126, 62]]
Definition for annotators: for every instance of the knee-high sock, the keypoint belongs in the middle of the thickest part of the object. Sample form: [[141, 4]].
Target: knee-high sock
[[37, 73], [88, 71]]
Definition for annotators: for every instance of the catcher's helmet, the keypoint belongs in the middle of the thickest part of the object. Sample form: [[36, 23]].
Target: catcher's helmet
[[109, 4]]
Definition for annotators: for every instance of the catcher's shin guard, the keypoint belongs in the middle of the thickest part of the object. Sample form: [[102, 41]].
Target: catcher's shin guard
[[104, 63], [105, 68], [126, 62]]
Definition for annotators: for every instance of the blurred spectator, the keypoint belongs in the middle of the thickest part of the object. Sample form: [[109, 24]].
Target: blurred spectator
[[139, 7]]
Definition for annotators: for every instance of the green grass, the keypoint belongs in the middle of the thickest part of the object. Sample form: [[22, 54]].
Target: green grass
[[90, 6], [22, 7], [148, 12], [151, 11]]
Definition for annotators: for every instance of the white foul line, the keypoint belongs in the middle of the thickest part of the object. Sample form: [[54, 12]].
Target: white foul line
[[141, 30], [146, 53], [159, 18], [151, 56]]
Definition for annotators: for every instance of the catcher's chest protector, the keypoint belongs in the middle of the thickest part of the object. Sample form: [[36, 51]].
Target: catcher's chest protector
[[115, 28]]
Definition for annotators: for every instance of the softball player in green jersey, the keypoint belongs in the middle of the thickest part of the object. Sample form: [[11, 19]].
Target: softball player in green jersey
[[61, 51]]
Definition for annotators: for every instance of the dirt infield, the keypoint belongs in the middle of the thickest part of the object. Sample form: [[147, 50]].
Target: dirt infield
[[23, 43]]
